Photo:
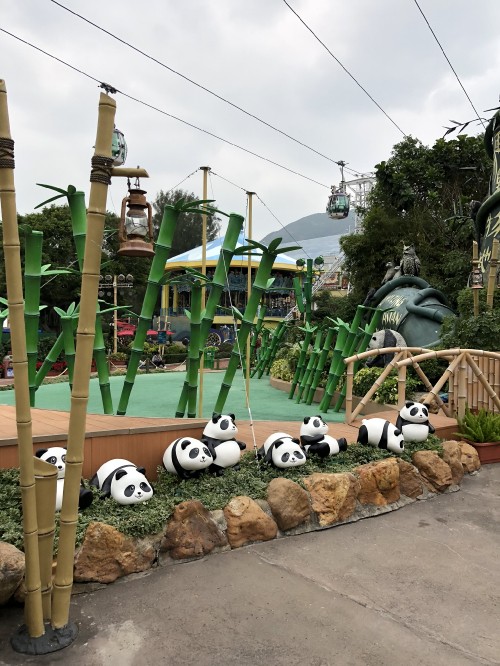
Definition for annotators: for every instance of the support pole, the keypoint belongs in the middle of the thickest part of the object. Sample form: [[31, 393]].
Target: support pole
[[475, 266], [205, 170], [115, 316], [249, 289]]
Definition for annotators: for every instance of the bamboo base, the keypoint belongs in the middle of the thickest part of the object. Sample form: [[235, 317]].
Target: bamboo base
[[51, 641]]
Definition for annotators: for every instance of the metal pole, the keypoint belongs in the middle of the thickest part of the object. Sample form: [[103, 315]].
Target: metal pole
[[249, 288], [205, 170], [115, 316]]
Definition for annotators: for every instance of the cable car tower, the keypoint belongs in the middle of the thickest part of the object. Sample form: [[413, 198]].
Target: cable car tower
[[338, 201]]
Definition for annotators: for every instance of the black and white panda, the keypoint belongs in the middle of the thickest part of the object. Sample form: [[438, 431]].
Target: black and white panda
[[282, 450], [314, 438], [381, 339], [381, 433], [219, 436], [187, 457], [56, 455], [413, 421], [123, 481]]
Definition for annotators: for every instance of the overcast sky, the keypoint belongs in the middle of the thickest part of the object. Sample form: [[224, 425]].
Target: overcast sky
[[258, 55]]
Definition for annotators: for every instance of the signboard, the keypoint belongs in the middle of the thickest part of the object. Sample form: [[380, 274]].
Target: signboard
[[162, 337]]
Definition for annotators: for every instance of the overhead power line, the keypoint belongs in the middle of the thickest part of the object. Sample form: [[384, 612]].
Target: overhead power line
[[195, 83], [344, 67], [449, 63], [165, 113]]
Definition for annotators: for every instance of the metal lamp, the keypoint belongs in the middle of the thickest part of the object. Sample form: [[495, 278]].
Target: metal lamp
[[477, 279], [118, 148], [136, 224]]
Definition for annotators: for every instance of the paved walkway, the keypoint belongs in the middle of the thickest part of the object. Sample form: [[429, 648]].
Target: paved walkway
[[414, 587]]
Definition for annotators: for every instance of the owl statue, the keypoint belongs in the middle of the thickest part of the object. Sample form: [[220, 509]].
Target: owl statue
[[410, 263]]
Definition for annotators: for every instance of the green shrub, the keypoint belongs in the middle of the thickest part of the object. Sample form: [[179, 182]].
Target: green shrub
[[482, 426], [387, 393], [175, 349], [280, 369], [481, 332]]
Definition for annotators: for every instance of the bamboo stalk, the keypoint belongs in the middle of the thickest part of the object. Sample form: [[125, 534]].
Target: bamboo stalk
[[320, 365], [334, 370], [300, 369], [462, 386], [194, 347], [483, 381], [428, 386], [280, 332], [32, 280], [402, 382], [46, 489], [257, 331], [305, 382], [349, 391], [68, 326], [100, 177]]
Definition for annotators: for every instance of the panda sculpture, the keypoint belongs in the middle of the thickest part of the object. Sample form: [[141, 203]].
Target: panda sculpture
[[56, 455], [281, 450], [315, 440], [381, 339], [382, 434], [187, 457], [123, 481], [219, 436], [413, 421]]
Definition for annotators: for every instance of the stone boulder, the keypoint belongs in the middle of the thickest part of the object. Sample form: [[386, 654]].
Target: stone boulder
[[191, 532], [333, 496], [247, 522], [11, 570], [470, 457], [289, 503], [379, 482], [433, 469], [106, 554], [410, 481], [452, 455]]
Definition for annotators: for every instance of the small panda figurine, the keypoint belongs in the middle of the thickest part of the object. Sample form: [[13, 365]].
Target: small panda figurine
[[187, 457], [219, 436], [56, 455], [381, 433], [413, 421], [123, 481], [314, 439], [282, 450]]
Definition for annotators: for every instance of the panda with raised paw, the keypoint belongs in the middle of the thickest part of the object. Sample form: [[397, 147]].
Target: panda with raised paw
[[281, 450], [123, 481], [413, 421], [219, 436], [187, 457], [56, 455], [382, 434], [315, 440]]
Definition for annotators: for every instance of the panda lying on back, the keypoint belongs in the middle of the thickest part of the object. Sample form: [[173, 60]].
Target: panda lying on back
[[314, 438], [219, 436], [413, 421]]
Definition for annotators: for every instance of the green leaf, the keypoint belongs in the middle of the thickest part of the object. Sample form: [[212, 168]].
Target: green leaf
[[274, 244], [60, 312], [188, 314]]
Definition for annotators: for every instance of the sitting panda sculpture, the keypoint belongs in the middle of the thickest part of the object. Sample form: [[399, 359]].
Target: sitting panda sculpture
[[381, 339], [281, 450], [315, 440], [219, 436], [56, 455], [187, 457], [413, 421], [382, 434], [123, 481]]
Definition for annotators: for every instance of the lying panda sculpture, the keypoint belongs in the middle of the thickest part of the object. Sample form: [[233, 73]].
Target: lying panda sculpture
[[281, 450], [56, 455], [219, 436], [381, 339], [123, 481], [413, 421], [382, 434], [314, 438], [187, 457]]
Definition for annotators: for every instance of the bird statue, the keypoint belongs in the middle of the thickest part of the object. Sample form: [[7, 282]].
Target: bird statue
[[410, 263], [391, 272]]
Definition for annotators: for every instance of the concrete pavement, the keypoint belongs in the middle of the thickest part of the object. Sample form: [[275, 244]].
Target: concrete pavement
[[417, 586]]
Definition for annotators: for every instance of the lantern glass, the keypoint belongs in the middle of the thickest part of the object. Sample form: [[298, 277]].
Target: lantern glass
[[118, 148], [136, 222]]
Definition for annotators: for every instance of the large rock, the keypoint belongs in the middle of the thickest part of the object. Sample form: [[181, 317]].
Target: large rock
[[333, 496], [11, 570], [191, 532], [289, 503], [379, 482], [433, 469], [106, 554], [452, 455], [410, 481], [470, 457], [247, 522]]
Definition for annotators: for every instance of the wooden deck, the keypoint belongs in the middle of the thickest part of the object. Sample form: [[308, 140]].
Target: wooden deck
[[144, 440]]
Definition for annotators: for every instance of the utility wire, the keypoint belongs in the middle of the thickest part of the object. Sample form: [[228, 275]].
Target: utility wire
[[449, 63], [165, 113], [344, 68], [198, 85]]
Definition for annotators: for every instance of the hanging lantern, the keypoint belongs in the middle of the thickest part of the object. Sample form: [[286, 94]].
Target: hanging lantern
[[136, 224], [118, 148], [476, 279]]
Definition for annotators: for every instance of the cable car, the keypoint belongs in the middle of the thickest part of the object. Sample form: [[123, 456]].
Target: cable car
[[338, 205]]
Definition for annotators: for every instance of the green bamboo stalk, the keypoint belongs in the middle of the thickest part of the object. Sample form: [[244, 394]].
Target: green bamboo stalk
[[268, 258], [257, 331], [323, 356], [32, 280], [264, 351], [194, 347], [333, 373], [306, 380], [299, 295], [272, 349], [68, 321], [299, 371], [102, 366]]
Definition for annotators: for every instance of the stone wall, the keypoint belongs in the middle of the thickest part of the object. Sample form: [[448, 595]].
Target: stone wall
[[326, 501]]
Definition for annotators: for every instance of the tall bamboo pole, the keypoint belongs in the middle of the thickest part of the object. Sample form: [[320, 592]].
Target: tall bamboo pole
[[13, 275], [32, 280], [195, 359], [100, 178], [249, 288], [205, 170]]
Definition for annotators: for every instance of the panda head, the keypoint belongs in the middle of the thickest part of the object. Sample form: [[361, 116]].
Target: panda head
[[395, 441], [56, 455], [222, 427], [313, 425], [130, 486], [414, 412], [193, 454], [287, 453]]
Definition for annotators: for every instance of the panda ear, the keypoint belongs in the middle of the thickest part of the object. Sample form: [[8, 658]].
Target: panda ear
[[397, 431], [306, 419], [185, 444], [409, 403], [142, 470], [120, 473], [296, 440], [233, 417], [215, 417], [40, 452], [278, 443]]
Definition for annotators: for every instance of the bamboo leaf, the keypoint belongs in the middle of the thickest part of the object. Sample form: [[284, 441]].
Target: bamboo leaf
[[270, 283], [53, 187], [274, 244], [188, 314], [60, 312], [47, 201], [289, 248], [4, 301], [71, 307], [237, 314]]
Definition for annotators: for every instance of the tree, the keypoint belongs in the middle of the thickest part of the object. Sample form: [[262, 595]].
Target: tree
[[188, 234]]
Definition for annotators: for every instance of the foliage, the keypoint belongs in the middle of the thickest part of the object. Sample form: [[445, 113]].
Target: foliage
[[280, 369], [336, 307], [387, 393], [175, 349], [481, 332], [482, 426], [224, 350]]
